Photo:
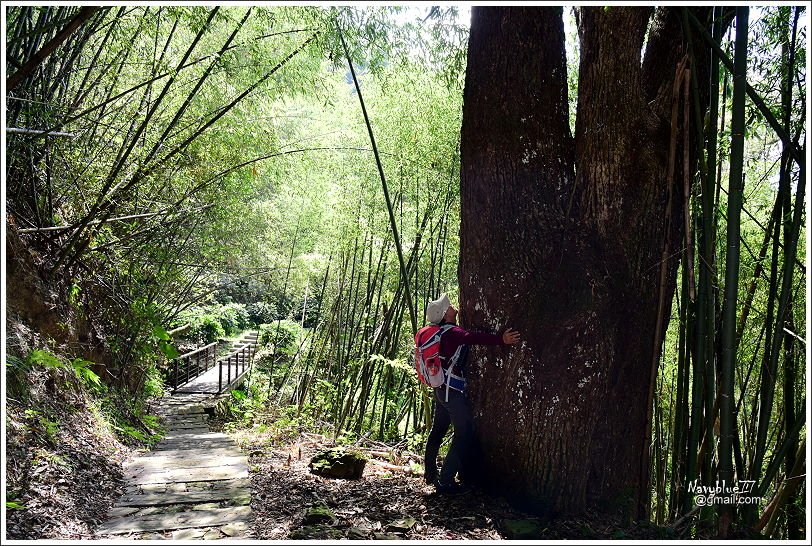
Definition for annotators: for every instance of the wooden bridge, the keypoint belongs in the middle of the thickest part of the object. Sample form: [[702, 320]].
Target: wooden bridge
[[202, 372]]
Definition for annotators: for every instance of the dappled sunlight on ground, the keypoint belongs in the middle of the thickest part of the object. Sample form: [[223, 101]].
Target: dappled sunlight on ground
[[390, 502]]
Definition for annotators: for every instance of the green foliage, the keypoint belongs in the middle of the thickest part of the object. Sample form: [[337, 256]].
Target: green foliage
[[130, 432], [264, 360], [238, 394], [237, 316], [207, 328], [153, 383], [122, 417], [39, 357], [168, 349], [81, 367], [242, 407], [41, 424], [260, 312], [159, 333], [88, 376], [73, 295], [309, 307], [227, 317], [216, 321], [397, 363], [283, 336], [151, 421]]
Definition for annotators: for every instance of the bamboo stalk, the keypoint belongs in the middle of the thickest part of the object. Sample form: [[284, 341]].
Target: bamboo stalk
[[681, 418], [106, 201], [786, 491], [108, 189], [658, 333], [796, 153], [726, 415], [393, 224], [35, 60]]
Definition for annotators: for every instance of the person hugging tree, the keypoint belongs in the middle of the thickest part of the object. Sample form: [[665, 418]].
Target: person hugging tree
[[450, 404]]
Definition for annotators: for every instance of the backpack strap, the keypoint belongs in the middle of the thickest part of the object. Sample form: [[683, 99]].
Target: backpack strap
[[455, 357], [435, 337], [451, 376]]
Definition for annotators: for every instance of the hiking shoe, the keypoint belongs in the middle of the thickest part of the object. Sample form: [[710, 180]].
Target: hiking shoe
[[451, 488]]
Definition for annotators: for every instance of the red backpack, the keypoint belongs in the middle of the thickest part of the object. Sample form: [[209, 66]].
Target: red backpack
[[427, 354]]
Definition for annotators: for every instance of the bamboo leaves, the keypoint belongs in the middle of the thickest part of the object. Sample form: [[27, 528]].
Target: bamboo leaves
[[393, 225]]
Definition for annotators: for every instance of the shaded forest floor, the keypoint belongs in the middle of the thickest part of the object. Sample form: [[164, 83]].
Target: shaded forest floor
[[391, 503], [61, 482]]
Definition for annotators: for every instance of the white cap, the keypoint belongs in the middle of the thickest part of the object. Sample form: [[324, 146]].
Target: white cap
[[435, 310]]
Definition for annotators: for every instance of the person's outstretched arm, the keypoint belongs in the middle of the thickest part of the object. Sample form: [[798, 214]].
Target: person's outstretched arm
[[464, 337]]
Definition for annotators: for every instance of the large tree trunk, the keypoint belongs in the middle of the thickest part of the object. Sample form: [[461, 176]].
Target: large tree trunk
[[563, 238]]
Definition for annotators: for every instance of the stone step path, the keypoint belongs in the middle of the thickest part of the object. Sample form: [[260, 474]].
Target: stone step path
[[193, 485]]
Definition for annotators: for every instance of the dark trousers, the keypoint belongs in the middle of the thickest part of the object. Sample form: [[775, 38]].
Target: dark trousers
[[455, 412]]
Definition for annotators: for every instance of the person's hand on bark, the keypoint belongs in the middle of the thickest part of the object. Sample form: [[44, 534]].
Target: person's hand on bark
[[510, 337]]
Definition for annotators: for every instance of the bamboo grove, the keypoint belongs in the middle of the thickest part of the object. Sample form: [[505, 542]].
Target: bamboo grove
[[160, 157], [730, 402]]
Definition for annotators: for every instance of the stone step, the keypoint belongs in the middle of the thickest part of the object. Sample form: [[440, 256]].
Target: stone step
[[236, 495], [202, 474], [181, 488], [201, 427], [183, 520], [179, 432], [174, 399], [188, 410], [173, 454], [183, 484], [186, 418], [158, 464], [173, 413], [205, 436], [189, 444]]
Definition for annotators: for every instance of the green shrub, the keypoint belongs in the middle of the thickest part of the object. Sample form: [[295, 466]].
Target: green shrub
[[242, 319], [263, 360], [80, 367], [261, 312], [207, 328], [227, 317], [285, 333], [209, 323], [271, 367], [153, 382]]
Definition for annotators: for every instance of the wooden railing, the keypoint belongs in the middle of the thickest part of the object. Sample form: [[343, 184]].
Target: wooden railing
[[191, 365], [241, 358]]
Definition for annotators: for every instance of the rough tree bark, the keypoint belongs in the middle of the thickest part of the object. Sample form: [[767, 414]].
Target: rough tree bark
[[562, 237]]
